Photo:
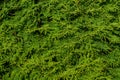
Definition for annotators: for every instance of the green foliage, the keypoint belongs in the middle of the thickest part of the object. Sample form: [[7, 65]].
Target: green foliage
[[60, 40]]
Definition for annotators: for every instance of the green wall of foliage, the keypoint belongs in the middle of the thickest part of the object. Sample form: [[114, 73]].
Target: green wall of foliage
[[60, 39]]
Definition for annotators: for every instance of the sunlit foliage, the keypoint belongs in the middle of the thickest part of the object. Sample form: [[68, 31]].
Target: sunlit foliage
[[60, 39]]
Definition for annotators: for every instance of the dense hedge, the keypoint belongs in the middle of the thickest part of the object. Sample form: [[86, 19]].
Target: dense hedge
[[60, 39]]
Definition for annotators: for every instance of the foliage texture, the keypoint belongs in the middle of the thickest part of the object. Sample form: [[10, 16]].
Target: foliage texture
[[60, 39]]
